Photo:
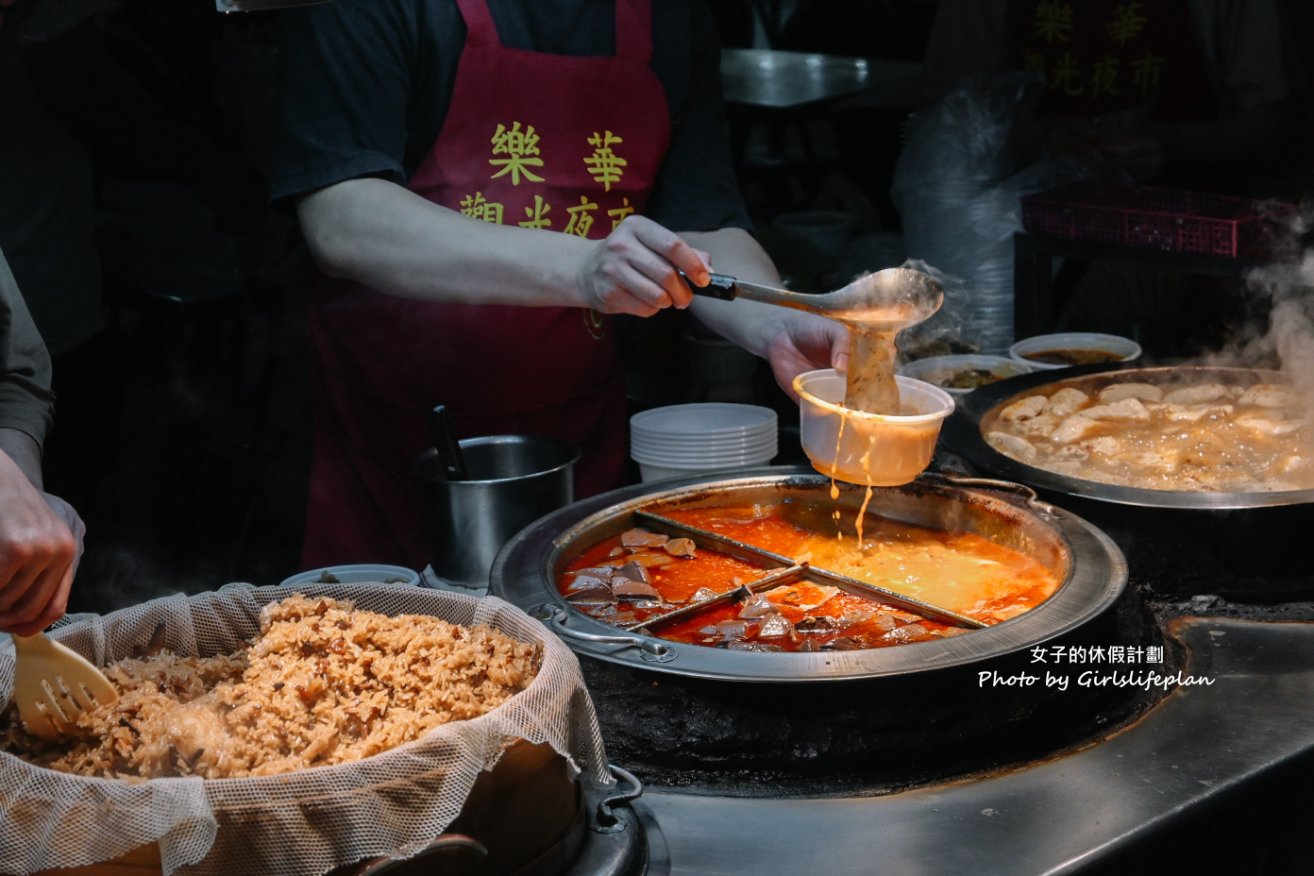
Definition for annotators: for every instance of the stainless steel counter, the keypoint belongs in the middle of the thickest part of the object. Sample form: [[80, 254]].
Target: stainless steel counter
[[1202, 751]]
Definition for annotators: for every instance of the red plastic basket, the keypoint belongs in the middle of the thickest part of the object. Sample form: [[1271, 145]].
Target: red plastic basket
[[1167, 219]]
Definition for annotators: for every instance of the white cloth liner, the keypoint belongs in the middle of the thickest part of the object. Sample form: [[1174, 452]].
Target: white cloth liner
[[309, 821]]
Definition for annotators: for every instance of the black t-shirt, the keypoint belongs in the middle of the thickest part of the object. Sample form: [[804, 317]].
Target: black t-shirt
[[365, 85]]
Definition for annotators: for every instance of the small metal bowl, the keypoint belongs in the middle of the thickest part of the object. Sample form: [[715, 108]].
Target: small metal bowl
[[1114, 347]]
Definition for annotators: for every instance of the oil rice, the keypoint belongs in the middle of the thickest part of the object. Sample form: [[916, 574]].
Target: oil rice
[[321, 684]]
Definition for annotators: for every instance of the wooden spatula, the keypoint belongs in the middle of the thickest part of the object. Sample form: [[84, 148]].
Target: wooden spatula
[[53, 684]]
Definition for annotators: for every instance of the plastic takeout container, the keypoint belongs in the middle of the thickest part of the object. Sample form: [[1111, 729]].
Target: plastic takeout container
[[649, 472], [703, 447], [703, 420], [689, 439], [940, 370], [878, 450], [653, 466], [1116, 348], [748, 455]]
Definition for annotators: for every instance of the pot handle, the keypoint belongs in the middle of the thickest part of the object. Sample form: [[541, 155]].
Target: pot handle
[[602, 813], [1032, 499], [556, 617]]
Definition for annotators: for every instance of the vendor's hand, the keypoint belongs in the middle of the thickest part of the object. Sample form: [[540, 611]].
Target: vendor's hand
[[633, 270], [40, 543], [803, 342]]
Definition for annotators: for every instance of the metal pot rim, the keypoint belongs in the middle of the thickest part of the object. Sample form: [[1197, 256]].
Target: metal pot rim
[[428, 459], [524, 575], [962, 435]]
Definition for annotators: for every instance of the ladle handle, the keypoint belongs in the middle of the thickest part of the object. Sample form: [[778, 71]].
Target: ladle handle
[[729, 288], [443, 433], [721, 286]]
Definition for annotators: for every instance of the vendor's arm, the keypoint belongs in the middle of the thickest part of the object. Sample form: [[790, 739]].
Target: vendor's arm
[[380, 234], [40, 534], [26, 402], [792, 341], [364, 89]]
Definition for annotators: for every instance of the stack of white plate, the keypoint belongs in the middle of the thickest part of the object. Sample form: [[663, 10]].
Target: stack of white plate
[[682, 440]]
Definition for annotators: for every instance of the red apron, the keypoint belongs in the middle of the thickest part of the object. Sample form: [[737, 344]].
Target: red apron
[[561, 143]]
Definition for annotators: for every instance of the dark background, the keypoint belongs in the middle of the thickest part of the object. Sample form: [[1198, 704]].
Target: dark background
[[183, 427]]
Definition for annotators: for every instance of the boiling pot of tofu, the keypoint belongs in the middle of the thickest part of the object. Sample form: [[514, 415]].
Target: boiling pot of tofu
[[1233, 437]]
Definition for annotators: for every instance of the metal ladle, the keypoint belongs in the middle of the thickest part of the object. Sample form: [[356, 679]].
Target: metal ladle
[[875, 307], [884, 302]]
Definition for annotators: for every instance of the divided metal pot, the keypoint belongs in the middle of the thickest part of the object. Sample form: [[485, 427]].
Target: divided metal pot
[[1088, 563]]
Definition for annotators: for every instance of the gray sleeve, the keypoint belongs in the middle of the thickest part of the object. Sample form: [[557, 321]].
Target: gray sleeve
[[1246, 42], [26, 402]]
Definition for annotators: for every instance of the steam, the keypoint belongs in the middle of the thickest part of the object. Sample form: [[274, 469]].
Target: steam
[[1285, 340], [946, 328], [1283, 292], [1290, 336], [1291, 332]]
